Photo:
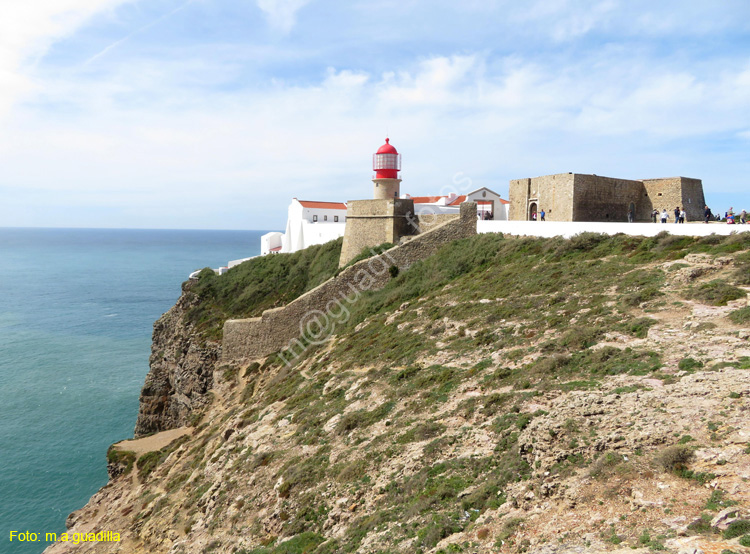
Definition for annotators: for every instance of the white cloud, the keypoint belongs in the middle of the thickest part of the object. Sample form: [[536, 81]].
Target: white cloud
[[27, 29], [281, 14], [450, 114], [185, 131]]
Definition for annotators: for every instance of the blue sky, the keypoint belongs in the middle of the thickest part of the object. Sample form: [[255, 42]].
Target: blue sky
[[215, 113]]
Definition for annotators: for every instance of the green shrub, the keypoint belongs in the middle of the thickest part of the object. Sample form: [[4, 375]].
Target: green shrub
[[440, 527], [737, 528], [604, 464], [300, 472], [148, 463], [635, 299], [740, 316], [689, 364], [703, 525], [352, 471], [715, 293], [718, 501], [745, 540], [252, 368], [262, 459], [422, 432], [124, 458], [638, 327], [675, 458], [360, 419]]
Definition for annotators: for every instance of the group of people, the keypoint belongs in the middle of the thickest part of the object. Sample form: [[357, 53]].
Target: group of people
[[679, 215], [732, 218], [708, 215], [663, 216]]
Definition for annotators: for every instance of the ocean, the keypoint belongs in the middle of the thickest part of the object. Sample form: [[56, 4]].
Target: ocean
[[76, 313]]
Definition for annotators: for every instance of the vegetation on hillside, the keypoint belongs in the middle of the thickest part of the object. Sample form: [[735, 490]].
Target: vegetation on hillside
[[490, 291], [476, 385], [492, 313], [259, 284]]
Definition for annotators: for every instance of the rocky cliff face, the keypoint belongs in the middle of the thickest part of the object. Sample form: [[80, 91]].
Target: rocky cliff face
[[181, 371]]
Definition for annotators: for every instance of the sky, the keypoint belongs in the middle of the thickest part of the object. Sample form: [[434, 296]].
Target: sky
[[213, 114]]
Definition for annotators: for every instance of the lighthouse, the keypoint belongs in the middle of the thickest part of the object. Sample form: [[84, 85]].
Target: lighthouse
[[386, 163], [385, 217]]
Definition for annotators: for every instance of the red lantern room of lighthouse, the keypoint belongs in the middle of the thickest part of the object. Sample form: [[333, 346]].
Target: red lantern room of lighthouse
[[386, 163]]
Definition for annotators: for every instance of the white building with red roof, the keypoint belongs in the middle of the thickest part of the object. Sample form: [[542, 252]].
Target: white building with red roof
[[308, 222], [489, 204]]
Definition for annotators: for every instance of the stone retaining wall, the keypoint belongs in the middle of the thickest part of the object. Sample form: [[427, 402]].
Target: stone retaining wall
[[426, 221], [314, 316]]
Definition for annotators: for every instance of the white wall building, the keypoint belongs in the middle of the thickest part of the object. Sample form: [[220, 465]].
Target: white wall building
[[489, 204], [310, 222]]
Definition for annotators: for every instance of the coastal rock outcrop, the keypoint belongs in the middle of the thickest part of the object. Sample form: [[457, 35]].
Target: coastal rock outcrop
[[181, 370]]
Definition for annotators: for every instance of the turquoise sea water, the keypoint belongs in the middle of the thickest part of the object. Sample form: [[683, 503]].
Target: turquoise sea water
[[76, 313]]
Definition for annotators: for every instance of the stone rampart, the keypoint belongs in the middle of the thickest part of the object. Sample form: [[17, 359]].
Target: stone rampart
[[373, 222], [314, 315]]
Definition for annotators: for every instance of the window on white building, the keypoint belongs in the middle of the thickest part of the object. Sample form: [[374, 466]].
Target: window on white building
[[335, 219], [315, 219], [325, 218]]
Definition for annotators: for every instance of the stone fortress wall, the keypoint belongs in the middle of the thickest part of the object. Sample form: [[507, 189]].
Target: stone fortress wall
[[677, 191], [314, 315], [582, 197], [597, 198], [554, 193], [373, 222]]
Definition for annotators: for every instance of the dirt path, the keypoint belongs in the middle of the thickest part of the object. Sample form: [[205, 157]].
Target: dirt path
[[153, 442]]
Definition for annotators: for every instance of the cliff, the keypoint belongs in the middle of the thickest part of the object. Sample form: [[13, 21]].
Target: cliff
[[186, 342], [504, 395], [181, 370]]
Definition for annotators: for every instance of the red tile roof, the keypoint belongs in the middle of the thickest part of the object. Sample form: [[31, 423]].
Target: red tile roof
[[322, 205], [424, 199], [456, 201]]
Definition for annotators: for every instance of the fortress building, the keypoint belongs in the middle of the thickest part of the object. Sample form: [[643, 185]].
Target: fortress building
[[580, 197]]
